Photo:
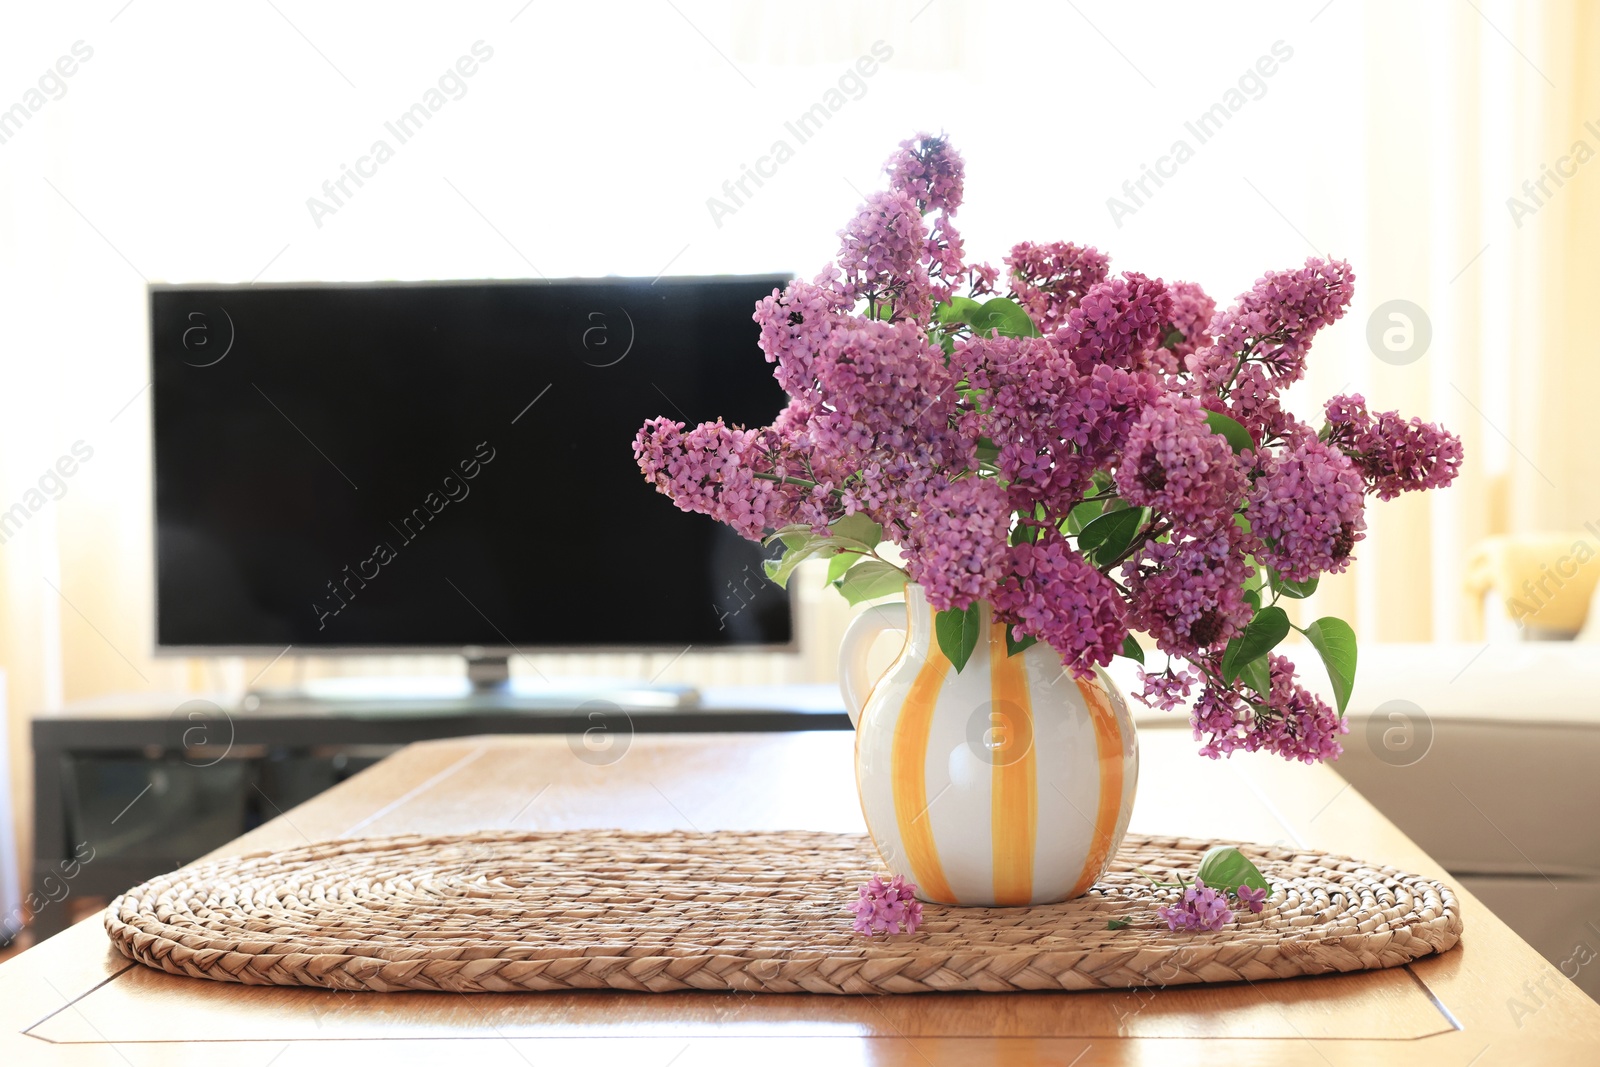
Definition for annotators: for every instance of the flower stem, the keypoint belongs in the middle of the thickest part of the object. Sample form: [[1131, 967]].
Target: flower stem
[[786, 480]]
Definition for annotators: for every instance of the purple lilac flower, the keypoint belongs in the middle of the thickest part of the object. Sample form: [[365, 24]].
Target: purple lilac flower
[[795, 323], [881, 257], [1117, 323], [1049, 280], [872, 403], [1259, 344], [1031, 385], [1302, 726], [1294, 724], [886, 907], [1347, 415], [1253, 402], [716, 470], [1173, 462], [1394, 455], [1307, 509], [1202, 908], [1168, 689], [956, 548], [1274, 322], [884, 419], [1053, 423], [944, 252], [1098, 416], [1254, 899], [928, 170], [1188, 593], [1053, 594], [1192, 312], [981, 278]]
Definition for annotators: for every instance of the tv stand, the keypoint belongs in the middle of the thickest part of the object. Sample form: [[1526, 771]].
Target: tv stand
[[202, 743], [487, 686], [488, 673]]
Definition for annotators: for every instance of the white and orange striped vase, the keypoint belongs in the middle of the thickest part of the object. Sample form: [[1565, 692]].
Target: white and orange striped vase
[[1007, 783]]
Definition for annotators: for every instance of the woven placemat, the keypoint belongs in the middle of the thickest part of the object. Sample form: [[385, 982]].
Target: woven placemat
[[756, 912]]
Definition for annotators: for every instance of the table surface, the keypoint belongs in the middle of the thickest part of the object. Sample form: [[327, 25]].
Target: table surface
[[74, 1000]]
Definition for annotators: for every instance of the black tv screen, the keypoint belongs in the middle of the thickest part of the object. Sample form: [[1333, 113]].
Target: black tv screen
[[448, 465]]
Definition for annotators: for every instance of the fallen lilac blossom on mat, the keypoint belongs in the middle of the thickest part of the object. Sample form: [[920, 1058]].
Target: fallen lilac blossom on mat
[[1205, 908], [887, 907], [1254, 899], [1202, 908]]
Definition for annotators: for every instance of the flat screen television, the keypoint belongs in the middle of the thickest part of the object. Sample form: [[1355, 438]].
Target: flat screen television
[[400, 467]]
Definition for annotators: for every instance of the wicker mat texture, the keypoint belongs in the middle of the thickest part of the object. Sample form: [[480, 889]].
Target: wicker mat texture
[[506, 911]]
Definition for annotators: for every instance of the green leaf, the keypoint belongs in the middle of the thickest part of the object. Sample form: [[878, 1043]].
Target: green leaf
[[1237, 436], [1118, 924], [816, 546], [1257, 674], [1225, 867], [854, 531], [791, 536], [858, 528], [958, 633], [1082, 515], [1006, 317], [1173, 338], [802, 543], [1269, 626], [841, 563], [959, 309], [869, 580], [1335, 642], [1292, 590], [1131, 649], [1015, 644], [1107, 537]]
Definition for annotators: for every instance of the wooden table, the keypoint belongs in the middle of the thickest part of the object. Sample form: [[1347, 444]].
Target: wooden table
[[73, 1000]]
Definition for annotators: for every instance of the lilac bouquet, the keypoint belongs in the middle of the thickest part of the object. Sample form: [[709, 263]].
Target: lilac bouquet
[[1093, 455]]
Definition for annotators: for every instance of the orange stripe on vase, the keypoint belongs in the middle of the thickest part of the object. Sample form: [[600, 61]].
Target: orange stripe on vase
[[908, 768], [1014, 791], [1108, 742]]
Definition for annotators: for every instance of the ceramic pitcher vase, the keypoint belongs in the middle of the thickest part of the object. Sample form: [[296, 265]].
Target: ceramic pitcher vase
[[1007, 783]]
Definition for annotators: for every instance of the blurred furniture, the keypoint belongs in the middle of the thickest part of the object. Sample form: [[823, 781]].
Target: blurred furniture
[[11, 912], [1535, 586], [131, 786], [1485, 755], [1448, 1010]]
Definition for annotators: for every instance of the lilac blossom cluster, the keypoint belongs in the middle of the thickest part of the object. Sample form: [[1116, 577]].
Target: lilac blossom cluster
[[1203, 908], [1093, 454], [1200, 908], [886, 907]]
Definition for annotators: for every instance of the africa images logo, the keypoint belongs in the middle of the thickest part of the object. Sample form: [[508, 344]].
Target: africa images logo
[[453, 489]]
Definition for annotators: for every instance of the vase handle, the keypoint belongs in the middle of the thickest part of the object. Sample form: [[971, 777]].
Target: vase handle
[[854, 685]]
